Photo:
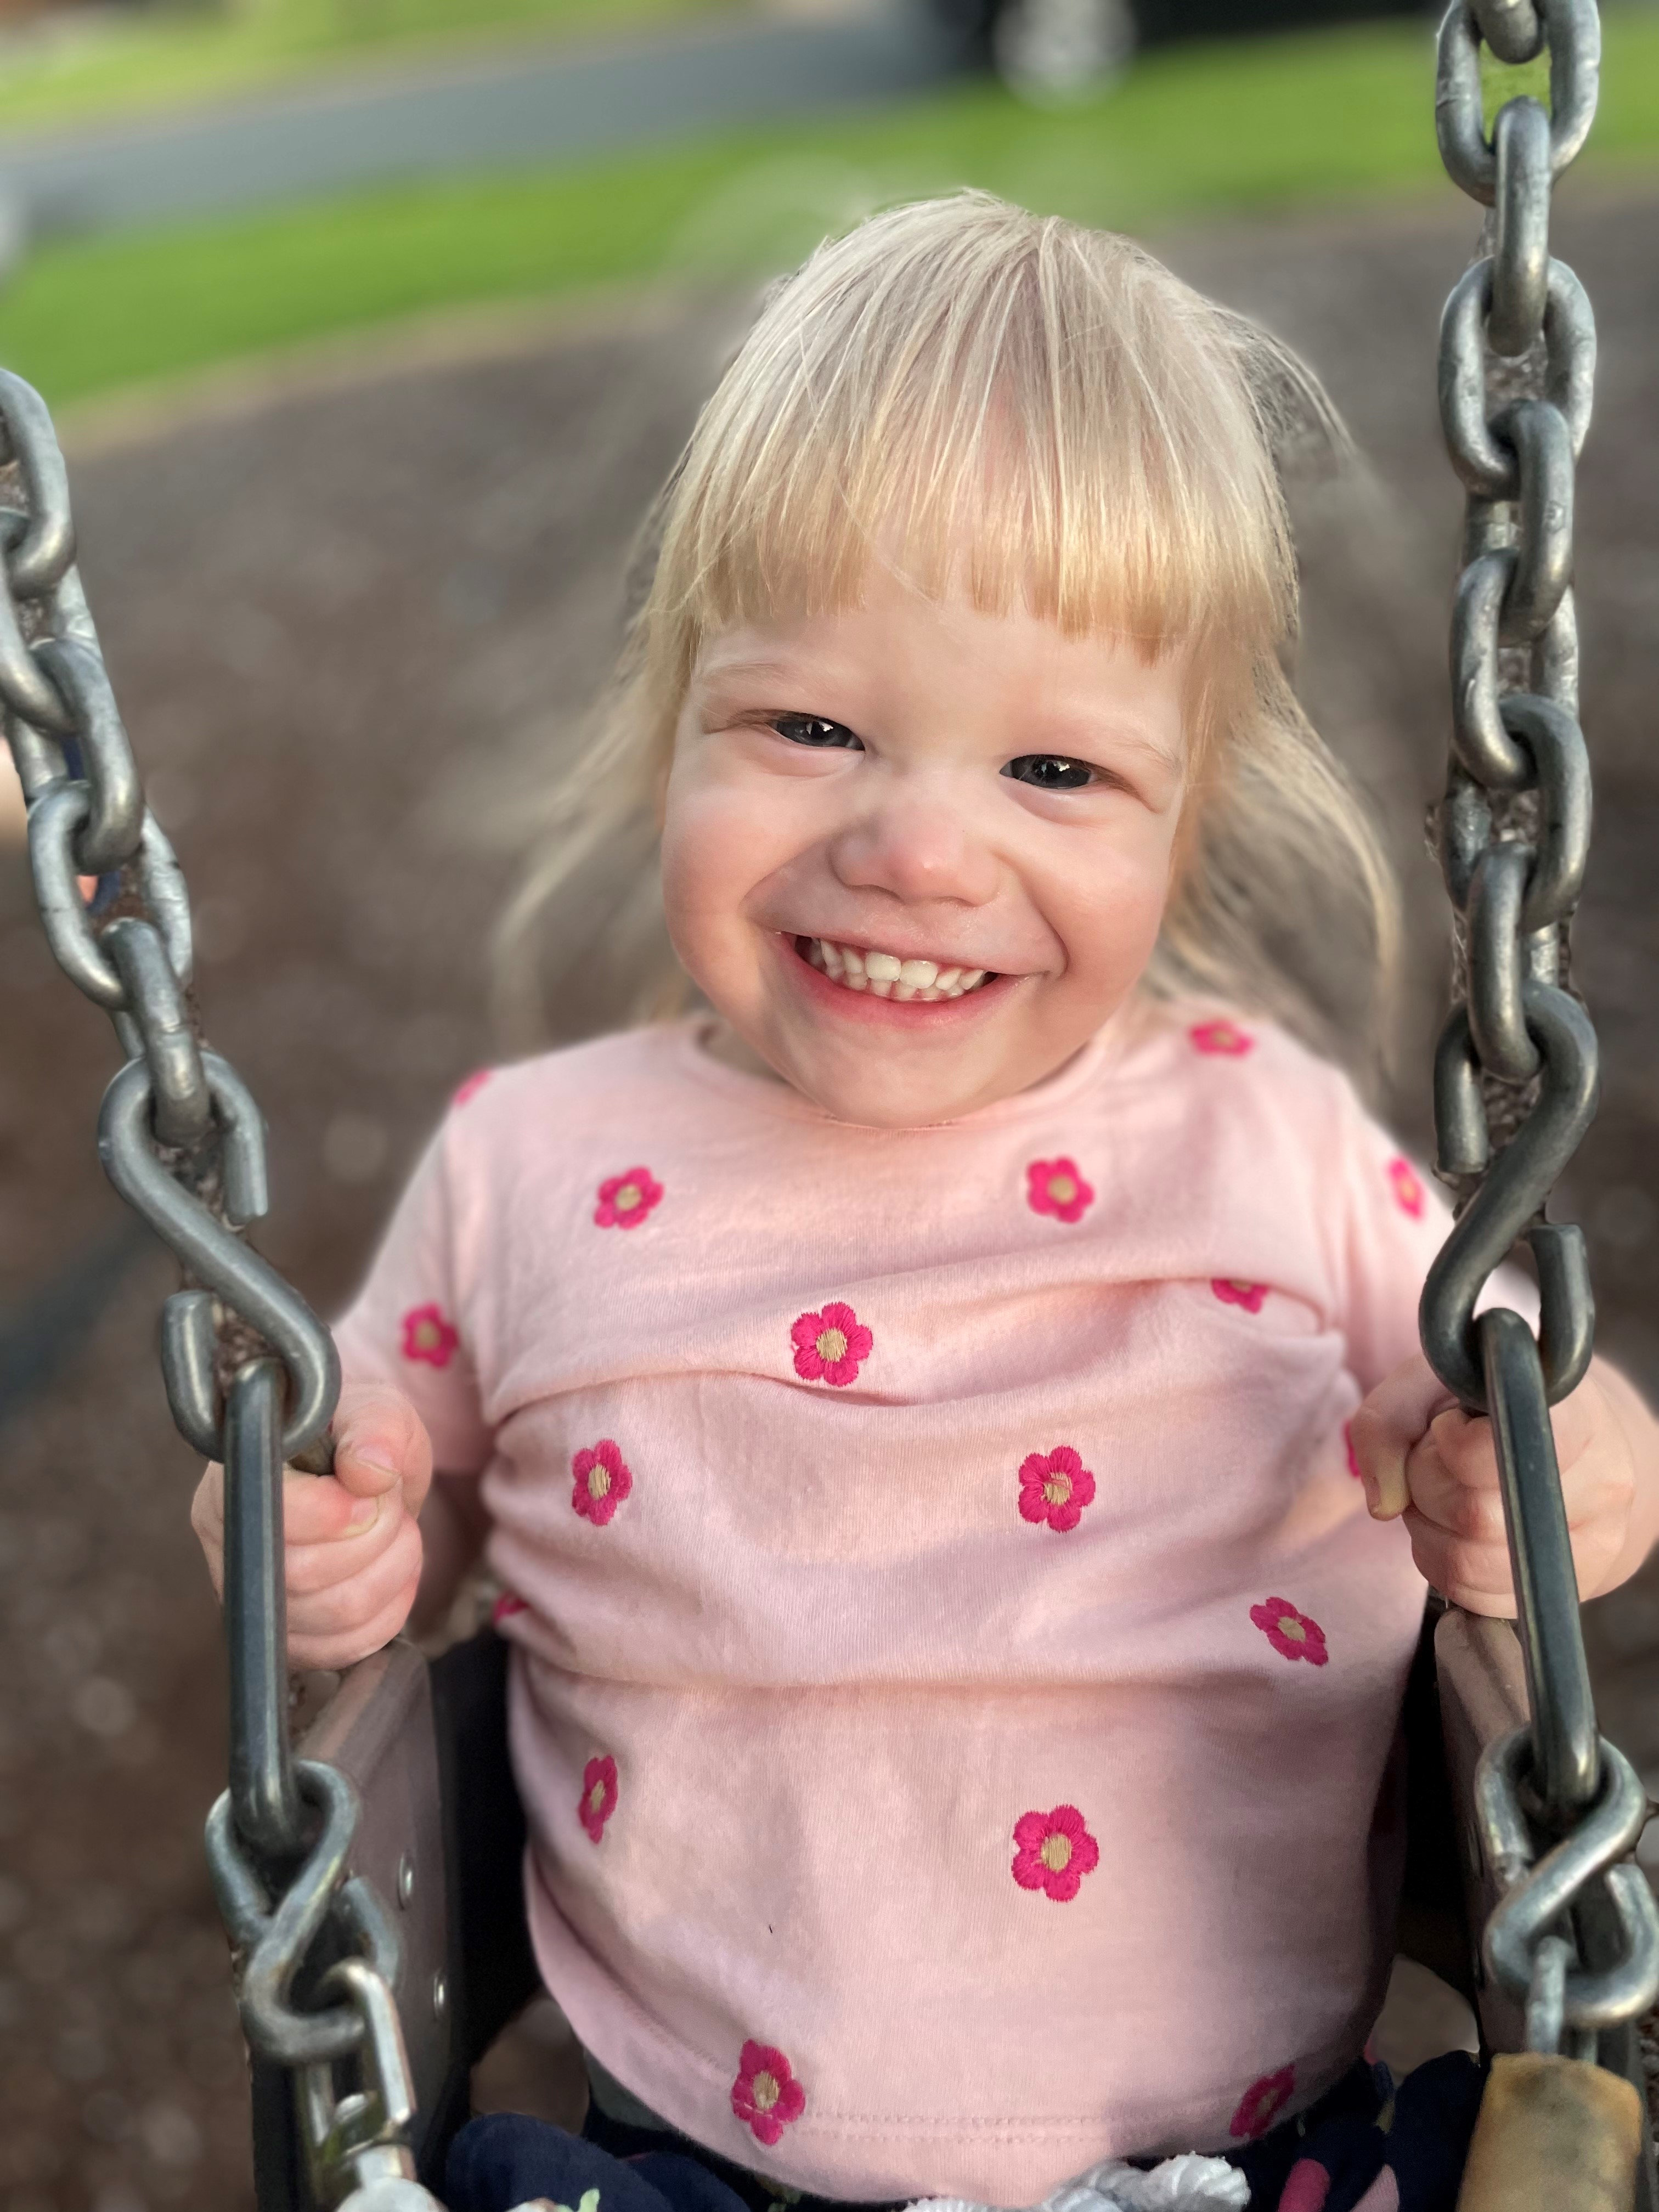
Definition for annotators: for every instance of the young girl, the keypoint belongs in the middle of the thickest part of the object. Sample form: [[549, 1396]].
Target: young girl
[[913, 1404]]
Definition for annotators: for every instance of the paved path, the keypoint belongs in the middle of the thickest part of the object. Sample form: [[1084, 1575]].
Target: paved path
[[529, 104]]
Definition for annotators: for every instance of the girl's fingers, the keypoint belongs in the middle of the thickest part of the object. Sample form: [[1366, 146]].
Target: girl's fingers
[[326, 1565], [1459, 1494], [1474, 1576], [207, 1518], [343, 1648], [318, 1509], [1391, 1420], [343, 1608]]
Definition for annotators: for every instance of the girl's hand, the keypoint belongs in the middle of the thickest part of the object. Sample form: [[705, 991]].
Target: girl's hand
[[1421, 1455], [352, 1544]]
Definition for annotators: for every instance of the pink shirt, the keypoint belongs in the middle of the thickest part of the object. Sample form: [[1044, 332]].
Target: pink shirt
[[956, 1671]]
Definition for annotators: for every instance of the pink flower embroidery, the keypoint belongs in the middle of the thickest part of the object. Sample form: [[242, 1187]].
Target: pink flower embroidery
[[428, 1335], [766, 2096], [1292, 1634], [473, 1084], [1262, 2103], [598, 1799], [1353, 1462], [626, 1198], [1407, 1190], [830, 1346], [1053, 1851], [1054, 1486], [1057, 1186], [506, 1606], [1233, 1293], [1225, 1038], [602, 1480]]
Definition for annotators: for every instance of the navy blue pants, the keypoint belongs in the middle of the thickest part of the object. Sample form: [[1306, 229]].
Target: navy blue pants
[[1403, 2149]]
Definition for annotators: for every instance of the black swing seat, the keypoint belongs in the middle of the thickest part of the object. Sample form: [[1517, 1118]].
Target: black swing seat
[[443, 1833]]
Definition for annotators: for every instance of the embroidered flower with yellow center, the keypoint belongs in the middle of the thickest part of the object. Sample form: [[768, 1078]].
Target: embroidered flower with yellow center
[[601, 1480], [1054, 1486], [598, 1799], [429, 1336], [1058, 1188], [830, 1345], [1292, 1633], [1052, 1852], [626, 1199], [766, 2096]]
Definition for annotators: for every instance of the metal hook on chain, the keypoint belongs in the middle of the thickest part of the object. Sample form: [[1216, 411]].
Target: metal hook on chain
[[1575, 1934]]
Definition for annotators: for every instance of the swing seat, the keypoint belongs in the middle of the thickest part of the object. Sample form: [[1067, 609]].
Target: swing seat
[[442, 1833]]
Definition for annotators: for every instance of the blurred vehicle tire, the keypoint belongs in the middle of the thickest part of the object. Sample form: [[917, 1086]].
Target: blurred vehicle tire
[[1051, 50]]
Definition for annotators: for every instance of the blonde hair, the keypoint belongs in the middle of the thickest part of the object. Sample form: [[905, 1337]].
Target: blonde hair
[[1040, 415]]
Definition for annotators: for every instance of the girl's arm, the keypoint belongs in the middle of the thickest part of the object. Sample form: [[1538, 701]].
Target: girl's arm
[[1421, 1456]]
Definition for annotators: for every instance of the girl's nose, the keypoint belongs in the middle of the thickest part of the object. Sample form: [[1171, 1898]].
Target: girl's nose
[[916, 847]]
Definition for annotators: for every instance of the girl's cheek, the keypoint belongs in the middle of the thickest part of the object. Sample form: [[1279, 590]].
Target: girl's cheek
[[1112, 928]]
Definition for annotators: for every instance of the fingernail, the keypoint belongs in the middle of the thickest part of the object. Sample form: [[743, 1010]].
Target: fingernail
[[364, 1514], [1369, 1487]]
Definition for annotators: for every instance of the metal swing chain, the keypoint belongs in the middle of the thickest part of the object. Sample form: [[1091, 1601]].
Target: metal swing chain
[[252, 1374], [1575, 1934]]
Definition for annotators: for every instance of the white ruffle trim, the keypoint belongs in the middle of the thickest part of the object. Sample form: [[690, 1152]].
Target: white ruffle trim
[[1187, 2183]]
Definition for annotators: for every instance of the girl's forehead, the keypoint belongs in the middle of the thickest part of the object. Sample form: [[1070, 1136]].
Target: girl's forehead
[[893, 631]]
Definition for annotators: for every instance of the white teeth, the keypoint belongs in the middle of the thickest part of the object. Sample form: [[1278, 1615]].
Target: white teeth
[[886, 976]]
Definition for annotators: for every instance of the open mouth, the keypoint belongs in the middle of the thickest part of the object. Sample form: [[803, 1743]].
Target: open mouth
[[885, 976]]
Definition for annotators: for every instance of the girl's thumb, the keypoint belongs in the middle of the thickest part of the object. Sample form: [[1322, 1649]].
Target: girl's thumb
[[379, 1442]]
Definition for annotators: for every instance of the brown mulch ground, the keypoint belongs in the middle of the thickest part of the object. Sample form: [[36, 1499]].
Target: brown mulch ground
[[345, 622]]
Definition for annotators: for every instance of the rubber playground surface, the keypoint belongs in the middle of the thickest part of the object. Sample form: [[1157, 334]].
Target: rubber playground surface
[[349, 618]]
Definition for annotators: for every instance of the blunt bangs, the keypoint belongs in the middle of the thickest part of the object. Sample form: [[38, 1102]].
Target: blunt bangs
[[986, 401]]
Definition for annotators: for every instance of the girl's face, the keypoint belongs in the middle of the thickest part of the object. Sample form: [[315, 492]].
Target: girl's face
[[916, 855]]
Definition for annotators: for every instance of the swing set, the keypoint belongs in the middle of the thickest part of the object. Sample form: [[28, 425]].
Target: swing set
[[370, 1880]]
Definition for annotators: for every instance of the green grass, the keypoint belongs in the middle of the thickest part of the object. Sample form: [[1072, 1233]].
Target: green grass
[[175, 52], [1191, 132]]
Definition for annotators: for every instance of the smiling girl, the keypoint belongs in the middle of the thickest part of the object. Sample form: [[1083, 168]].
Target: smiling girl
[[914, 1400]]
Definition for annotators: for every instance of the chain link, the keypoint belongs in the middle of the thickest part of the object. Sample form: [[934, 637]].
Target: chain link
[[251, 1374], [1575, 1934]]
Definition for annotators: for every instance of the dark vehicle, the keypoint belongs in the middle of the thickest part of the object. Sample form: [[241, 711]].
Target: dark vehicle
[[1053, 49]]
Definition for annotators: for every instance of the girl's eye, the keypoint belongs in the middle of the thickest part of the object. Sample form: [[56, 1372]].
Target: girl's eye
[[814, 730], [1050, 772]]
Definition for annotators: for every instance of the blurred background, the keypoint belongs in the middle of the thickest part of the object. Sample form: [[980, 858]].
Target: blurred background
[[371, 325]]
